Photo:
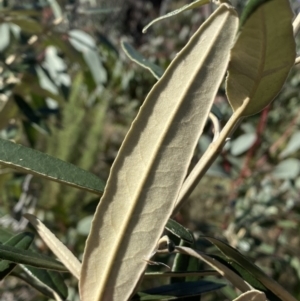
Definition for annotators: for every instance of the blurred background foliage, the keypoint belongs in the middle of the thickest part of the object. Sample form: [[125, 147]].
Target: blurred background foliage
[[67, 89]]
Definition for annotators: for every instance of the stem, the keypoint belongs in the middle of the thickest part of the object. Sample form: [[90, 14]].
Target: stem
[[209, 157], [296, 25]]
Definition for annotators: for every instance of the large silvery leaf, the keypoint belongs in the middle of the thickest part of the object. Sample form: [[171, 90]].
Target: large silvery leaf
[[152, 163], [262, 56]]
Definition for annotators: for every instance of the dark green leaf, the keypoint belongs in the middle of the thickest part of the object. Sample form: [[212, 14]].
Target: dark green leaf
[[20, 241], [31, 115], [180, 231], [51, 279], [26, 24], [32, 282], [178, 290], [30, 258], [31, 161], [240, 259], [136, 57]]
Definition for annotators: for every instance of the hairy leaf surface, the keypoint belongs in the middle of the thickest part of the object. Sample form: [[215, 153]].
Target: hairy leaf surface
[[152, 163]]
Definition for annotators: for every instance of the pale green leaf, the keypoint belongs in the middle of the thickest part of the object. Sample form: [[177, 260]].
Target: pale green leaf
[[56, 246], [262, 57], [186, 7], [253, 295], [242, 143], [287, 169], [152, 163], [292, 146], [34, 162]]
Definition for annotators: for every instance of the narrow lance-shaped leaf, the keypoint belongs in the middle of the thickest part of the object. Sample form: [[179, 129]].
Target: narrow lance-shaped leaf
[[30, 258], [178, 291], [253, 295], [236, 256], [34, 162], [222, 269], [189, 6], [20, 241], [57, 247], [152, 163], [135, 56], [262, 56], [51, 279]]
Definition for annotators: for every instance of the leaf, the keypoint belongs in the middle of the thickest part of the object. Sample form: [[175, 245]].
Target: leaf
[[253, 295], [30, 258], [136, 57], [237, 257], [262, 57], [181, 274], [178, 290], [56, 246], [31, 115], [287, 169], [34, 162], [5, 36], [242, 143], [292, 146], [85, 43], [222, 269], [53, 280], [20, 241], [150, 168], [180, 231], [26, 24], [248, 277], [189, 6], [33, 282]]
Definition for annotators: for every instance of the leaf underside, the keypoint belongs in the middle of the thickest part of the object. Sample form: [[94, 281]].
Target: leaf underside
[[152, 163]]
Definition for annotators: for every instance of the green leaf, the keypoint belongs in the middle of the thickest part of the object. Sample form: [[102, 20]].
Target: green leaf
[[86, 44], [180, 231], [240, 259], [253, 295], [5, 36], [287, 169], [20, 241], [242, 143], [262, 57], [31, 115], [51, 279], [189, 6], [20, 274], [249, 9], [30, 258], [136, 57], [152, 163], [199, 273], [178, 290], [26, 24], [34, 162], [248, 277], [292, 146]]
